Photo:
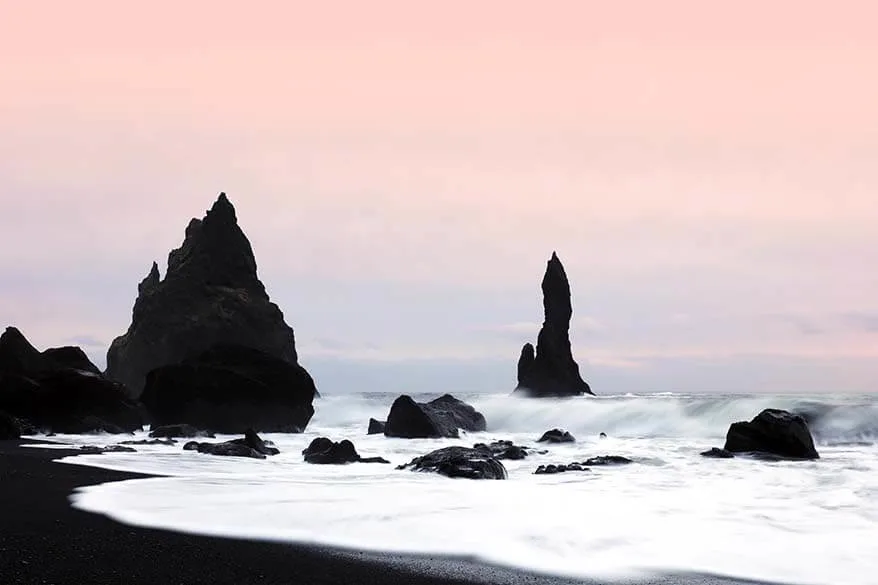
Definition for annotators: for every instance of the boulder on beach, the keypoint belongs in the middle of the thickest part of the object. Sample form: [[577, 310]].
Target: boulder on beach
[[59, 390], [557, 436], [230, 388], [442, 417], [774, 432], [549, 370], [458, 462], [325, 451], [211, 295], [251, 445]]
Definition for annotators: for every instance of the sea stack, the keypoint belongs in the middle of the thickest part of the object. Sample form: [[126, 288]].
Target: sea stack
[[210, 295], [550, 370]]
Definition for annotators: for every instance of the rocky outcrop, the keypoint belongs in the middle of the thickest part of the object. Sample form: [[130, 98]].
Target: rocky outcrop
[[458, 462], [251, 445], [376, 427], [230, 388], [442, 417], [549, 370], [211, 295], [60, 390], [325, 451], [557, 436], [775, 432]]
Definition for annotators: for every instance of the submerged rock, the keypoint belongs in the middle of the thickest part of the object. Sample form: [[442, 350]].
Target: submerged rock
[[95, 450], [549, 370], [502, 450], [211, 295], [716, 453], [179, 431], [150, 442], [230, 388], [60, 391], [600, 460], [441, 417], [556, 436], [458, 462], [775, 432], [551, 468], [376, 427], [326, 451], [250, 446], [606, 460]]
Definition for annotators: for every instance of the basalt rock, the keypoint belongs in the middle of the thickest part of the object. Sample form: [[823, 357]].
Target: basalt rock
[[601, 460], [210, 296], [327, 452], [442, 417], [150, 442], [95, 450], [458, 462], [556, 436], [549, 370], [552, 468], [60, 390], [606, 460], [250, 446], [230, 388], [502, 450], [775, 432], [715, 453], [376, 427]]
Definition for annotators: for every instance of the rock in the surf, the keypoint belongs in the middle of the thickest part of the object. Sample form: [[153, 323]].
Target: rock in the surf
[[716, 453], [606, 460], [376, 427], [179, 432], [251, 445], [211, 295], [150, 442], [458, 462], [552, 468], [557, 436], [59, 390], [549, 370], [442, 417], [325, 451], [95, 450], [230, 388], [503, 450], [775, 432]]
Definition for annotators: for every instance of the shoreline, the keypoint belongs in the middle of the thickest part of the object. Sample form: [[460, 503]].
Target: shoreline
[[46, 540]]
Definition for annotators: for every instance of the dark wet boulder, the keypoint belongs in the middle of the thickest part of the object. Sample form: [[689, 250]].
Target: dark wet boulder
[[230, 388], [606, 460], [442, 417], [376, 427], [95, 450], [716, 453], [458, 462], [211, 295], [549, 370], [775, 432], [556, 436], [44, 391], [9, 427], [179, 432], [325, 451], [251, 445], [552, 468], [502, 450]]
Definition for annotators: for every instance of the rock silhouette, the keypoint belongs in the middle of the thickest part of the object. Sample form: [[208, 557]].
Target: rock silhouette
[[442, 417], [549, 370], [774, 432], [210, 295]]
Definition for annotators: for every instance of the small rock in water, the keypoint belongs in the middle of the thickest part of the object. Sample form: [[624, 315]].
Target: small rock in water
[[325, 451], [775, 432], [502, 450], [179, 431], [552, 469], [717, 453], [376, 427], [607, 460], [250, 446], [458, 462], [556, 436], [150, 442], [95, 450]]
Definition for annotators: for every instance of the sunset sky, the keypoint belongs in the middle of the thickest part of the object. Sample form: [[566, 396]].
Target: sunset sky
[[707, 172]]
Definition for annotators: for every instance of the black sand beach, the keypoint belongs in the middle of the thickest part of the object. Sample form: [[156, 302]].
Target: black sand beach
[[44, 540]]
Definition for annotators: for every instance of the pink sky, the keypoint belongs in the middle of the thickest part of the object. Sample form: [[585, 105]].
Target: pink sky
[[719, 161]]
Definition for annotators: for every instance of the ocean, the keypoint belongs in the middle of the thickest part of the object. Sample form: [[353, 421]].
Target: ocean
[[670, 512]]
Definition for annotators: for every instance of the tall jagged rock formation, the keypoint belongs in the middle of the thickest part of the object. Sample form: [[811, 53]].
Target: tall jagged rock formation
[[550, 370], [210, 295]]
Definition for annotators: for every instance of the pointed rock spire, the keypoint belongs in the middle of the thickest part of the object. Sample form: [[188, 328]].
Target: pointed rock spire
[[149, 283], [550, 370]]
